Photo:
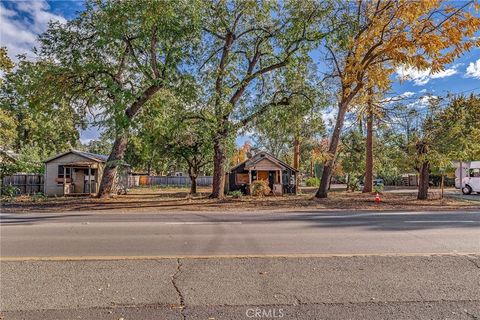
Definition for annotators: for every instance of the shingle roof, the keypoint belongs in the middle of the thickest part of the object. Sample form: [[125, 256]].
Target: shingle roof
[[258, 156]]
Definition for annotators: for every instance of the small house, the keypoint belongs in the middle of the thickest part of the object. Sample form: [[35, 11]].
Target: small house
[[281, 177], [78, 173]]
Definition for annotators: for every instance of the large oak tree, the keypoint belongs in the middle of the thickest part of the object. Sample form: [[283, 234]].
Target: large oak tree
[[116, 56], [247, 43]]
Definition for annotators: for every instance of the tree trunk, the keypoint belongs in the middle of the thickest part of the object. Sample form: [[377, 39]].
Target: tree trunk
[[296, 153], [110, 170], [442, 185], [311, 168], [423, 181], [219, 158], [322, 191], [424, 171], [368, 186], [193, 187], [296, 161]]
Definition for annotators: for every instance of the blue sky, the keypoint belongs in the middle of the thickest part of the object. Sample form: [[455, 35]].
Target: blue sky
[[22, 21]]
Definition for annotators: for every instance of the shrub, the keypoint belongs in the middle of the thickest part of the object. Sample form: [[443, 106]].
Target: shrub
[[260, 188], [237, 194], [39, 196], [353, 184], [378, 188], [312, 182], [10, 191]]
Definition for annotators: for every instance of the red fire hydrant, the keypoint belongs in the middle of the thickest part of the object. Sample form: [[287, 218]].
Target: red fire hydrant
[[377, 199]]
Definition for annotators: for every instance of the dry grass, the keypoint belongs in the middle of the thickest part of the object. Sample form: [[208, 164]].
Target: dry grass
[[174, 199]]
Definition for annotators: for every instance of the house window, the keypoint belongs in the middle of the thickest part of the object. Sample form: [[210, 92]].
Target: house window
[[241, 178], [68, 172]]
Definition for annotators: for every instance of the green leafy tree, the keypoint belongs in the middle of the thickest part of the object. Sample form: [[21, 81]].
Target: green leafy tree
[[45, 118], [177, 133], [115, 56], [448, 134], [102, 145], [352, 157], [246, 44], [290, 132], [8, 123]]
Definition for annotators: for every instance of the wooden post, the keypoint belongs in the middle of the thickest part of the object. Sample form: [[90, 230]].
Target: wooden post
[[64, 181], [249, 176], [89, 181]]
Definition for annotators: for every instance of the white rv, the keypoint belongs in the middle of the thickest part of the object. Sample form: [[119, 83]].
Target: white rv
[[467, 176]]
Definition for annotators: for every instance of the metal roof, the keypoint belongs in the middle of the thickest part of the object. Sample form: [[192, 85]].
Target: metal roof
[[88, 155]]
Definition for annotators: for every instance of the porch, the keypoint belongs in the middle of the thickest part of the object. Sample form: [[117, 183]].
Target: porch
[[79, 178], [272, 177]]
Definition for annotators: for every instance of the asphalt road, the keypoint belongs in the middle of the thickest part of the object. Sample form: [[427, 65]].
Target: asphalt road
[[368, 287], [211, 234], [300, 265]]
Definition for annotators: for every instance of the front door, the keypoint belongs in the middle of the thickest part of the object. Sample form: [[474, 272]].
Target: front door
[[262, 175], [77, 181]]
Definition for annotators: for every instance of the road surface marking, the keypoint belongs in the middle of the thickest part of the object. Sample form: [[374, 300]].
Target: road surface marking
[[441, 221], [201, 222], [237, 256]]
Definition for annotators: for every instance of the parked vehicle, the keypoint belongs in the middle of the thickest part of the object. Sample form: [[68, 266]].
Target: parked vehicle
[[467, 176]]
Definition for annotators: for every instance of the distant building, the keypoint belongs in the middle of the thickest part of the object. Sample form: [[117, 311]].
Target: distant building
[[262, 166], [79, 173]]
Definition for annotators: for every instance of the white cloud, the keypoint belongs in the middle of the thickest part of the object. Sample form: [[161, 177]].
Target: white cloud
[[19, 28], [473, 70], [422, 77], [407, 94], [329, 115], [86, 141], [425, 100]]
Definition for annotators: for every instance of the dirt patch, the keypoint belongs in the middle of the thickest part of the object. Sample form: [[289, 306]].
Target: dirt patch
[[163, 200]]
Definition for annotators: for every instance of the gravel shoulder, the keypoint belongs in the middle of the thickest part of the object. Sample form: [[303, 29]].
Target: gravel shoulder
[[178, 200]]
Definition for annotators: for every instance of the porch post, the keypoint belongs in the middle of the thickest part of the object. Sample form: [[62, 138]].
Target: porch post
[[249, 176], [89, 181], [280, 172], [64, 180]]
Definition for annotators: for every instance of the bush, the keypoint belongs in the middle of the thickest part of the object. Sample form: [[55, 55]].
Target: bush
[[10, 191], [353, 184], [237, 194], [378, 188], [39, 196], [312, 182], [260, 188]]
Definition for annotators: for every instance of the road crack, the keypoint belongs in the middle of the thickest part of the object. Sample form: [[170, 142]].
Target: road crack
[[472, 316], [177, 289], [475, 262]]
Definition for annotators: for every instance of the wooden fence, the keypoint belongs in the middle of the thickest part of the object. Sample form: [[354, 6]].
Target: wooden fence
[[175, 181], [25, 183]]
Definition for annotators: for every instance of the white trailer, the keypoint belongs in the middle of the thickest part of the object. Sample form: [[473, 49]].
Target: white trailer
[[467, 176]]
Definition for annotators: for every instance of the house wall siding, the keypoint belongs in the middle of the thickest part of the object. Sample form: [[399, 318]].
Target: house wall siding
[[52, 188], [266, 165]]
